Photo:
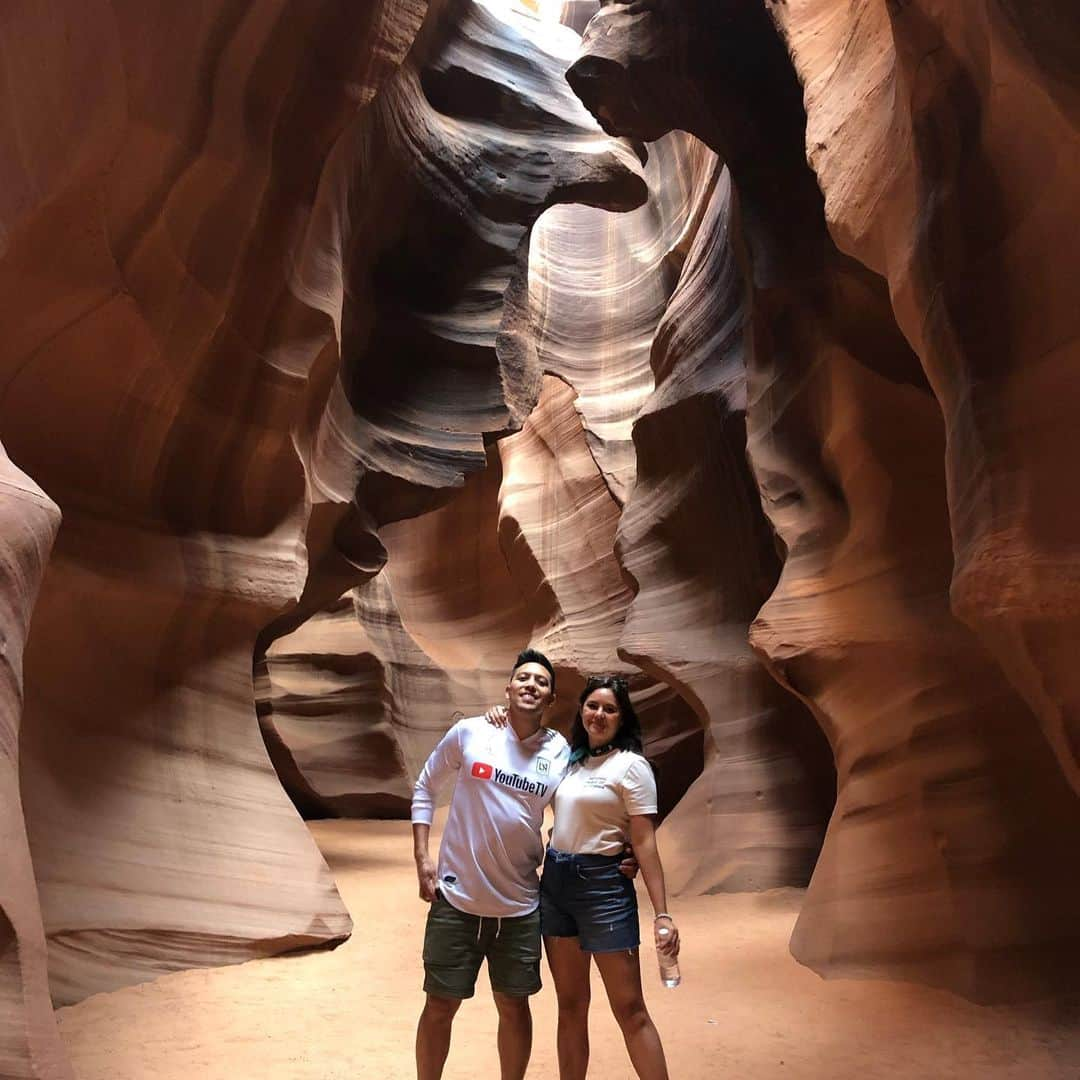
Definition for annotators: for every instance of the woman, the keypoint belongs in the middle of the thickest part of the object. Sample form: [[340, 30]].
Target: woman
[[587, 907]]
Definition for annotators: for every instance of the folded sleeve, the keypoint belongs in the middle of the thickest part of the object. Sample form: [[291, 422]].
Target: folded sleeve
[[639, 787], [444, 762]]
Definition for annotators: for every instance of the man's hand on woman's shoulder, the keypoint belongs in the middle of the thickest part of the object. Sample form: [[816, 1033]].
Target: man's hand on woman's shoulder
[[498, 716]]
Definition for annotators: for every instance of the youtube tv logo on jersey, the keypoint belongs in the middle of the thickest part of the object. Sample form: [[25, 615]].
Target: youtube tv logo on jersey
[[481, 770]]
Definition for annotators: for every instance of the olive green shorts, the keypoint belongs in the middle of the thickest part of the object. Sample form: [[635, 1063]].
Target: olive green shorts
[[456, 943]]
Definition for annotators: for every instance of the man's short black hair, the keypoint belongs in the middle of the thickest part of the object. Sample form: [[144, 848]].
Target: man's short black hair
[[534, 656]]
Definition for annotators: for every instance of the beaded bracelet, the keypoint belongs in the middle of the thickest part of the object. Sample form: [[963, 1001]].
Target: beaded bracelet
[[662, 915]]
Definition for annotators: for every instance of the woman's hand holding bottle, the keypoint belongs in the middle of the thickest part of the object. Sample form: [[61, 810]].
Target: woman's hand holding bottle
[[666, 934]]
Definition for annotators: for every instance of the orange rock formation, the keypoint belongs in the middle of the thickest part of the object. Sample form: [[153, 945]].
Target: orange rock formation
[[29, 1044], [938, 863], [348, 341]]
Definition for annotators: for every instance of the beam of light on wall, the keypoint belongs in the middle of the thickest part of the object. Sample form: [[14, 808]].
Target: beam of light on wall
[[544, 10]]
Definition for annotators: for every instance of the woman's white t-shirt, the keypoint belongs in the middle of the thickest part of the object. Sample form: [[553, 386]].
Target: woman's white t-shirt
[[596, 799]]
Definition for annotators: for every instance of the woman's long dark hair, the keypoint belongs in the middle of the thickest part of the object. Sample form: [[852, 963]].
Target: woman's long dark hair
[[628, 735]]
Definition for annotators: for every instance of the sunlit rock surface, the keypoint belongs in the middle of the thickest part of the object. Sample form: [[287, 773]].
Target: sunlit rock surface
[[321, 334], [599, 284], [256, 191], [430, 198], [29, 1044], [951, 164], [433, 636], [523, 551], [938, 862], [697, 545], [472, 140]]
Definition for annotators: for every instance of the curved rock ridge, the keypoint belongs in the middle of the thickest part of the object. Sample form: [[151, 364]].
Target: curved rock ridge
[[696, 544], [598, 285], [324, 706], [930, 177], [187, 347], [417, 249], [939, 859], [425, 207], [557, 522], [29, 1043], [320, 334], [523, 554], [164, 344], [563, 589], [396, 659], [429, 200]]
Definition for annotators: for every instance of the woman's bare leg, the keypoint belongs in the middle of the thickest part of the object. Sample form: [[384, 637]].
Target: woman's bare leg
[[621, 973], [570, 973]]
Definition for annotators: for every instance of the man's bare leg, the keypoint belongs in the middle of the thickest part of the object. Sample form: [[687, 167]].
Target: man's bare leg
[[433, 1036], [515, 1035]]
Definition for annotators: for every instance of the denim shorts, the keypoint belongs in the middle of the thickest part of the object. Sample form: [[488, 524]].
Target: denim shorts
[[587, 897]]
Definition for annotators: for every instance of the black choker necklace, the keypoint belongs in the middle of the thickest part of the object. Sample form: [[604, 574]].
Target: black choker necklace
[[591, 751]]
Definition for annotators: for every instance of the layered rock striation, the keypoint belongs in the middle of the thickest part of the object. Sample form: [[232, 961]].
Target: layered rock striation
[[429, 199], [267, 207], [938, 861], [153, 368], [701, 554], [322, 334], [950, 166], [29, 1042]]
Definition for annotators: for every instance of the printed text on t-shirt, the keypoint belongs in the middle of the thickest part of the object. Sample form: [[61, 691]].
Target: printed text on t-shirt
[[482, 771]]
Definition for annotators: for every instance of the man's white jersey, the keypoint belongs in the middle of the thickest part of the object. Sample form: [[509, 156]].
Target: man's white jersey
[[491, 847]]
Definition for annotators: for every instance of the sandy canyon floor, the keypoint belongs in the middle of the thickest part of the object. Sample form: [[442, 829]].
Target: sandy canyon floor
[[746, 1009]]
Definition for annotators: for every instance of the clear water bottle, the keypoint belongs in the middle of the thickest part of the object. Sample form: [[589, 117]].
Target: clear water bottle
[[669, 966]]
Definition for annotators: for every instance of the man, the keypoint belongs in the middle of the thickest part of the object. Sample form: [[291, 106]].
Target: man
[[484, 895]]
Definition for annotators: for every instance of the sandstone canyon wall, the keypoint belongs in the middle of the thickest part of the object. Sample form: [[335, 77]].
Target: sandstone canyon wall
[[439, 356], [178, 264], [530, 551], [939, 861], [29, 1042], [346, 339], [525, 550]]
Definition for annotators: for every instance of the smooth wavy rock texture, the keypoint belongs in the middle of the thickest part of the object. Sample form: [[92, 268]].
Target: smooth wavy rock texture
[[938, 863], [324, 705], [524, 552], [29, 1043], [599, 284], [730, 347], [263, 189], [428, 203], [694, 540], [145, 290], [951, 163], [417, 249], [428, 199], [359, 695]]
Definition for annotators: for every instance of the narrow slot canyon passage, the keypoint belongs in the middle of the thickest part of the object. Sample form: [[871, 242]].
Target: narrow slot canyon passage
[[725, 349]]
